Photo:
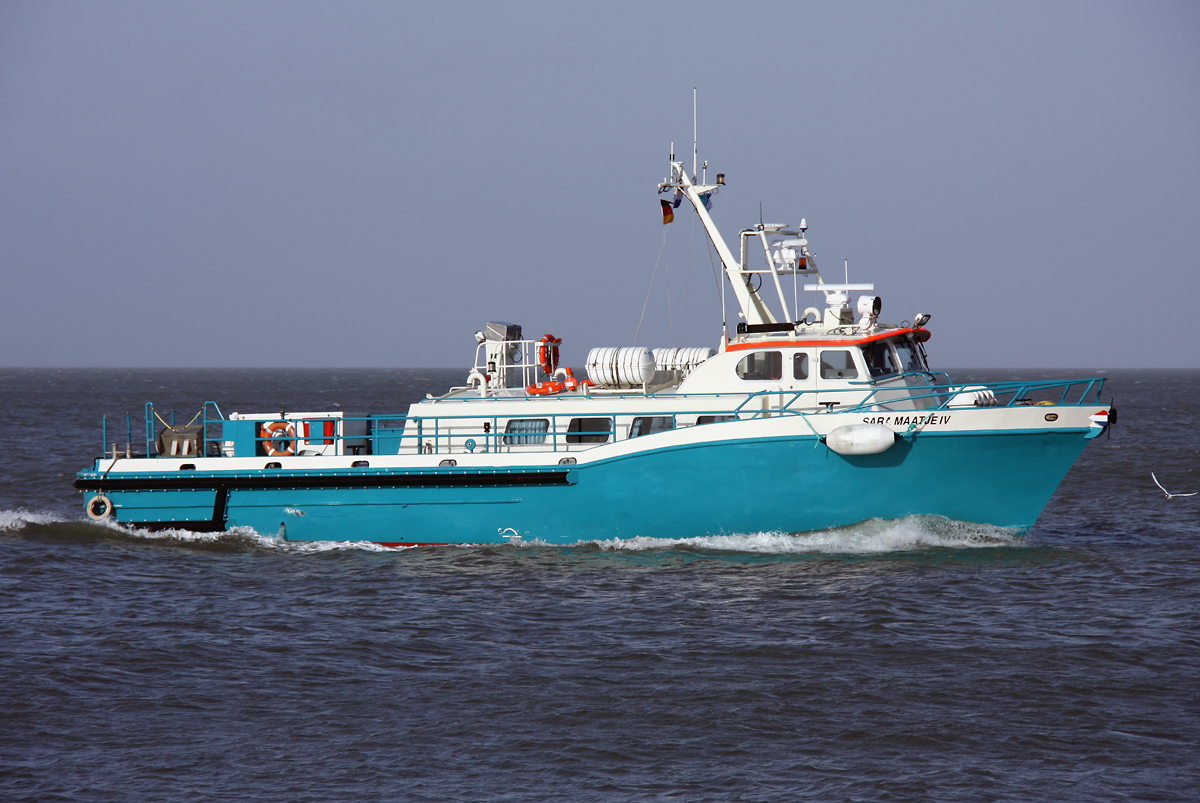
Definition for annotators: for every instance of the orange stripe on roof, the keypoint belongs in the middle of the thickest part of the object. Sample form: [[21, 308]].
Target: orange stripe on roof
[[921, 336]]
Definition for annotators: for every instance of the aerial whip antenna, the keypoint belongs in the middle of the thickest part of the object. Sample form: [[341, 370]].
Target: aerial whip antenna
[[694, 148]]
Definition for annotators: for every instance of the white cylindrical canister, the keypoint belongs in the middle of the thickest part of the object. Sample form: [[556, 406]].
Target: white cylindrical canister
[[680, 359], [629, 366]]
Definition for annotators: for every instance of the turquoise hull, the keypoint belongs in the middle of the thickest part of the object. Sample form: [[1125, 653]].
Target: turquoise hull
[[792, 484]]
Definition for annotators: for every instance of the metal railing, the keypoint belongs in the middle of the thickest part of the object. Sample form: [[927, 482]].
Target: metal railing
[[472, 432]]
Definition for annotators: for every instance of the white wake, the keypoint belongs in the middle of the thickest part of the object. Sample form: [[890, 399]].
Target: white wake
[[875, 536]]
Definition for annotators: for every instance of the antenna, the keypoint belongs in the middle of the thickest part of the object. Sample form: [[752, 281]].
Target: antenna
[[694, 148], [672, 150], [760, 218], [847, 271]]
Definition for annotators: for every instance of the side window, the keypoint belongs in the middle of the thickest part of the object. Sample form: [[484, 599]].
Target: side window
[[520, 431], [650, 424], [713, 419], [838, 365], [878, 356], [761, 365], [589, 430], [800, 365]]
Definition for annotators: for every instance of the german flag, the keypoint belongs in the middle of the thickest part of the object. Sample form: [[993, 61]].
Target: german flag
[[668, 213]]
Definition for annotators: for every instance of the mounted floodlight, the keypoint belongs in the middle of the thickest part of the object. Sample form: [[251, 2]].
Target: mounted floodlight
[[479, 337], [721, 179], [869, 305], [868, 308], [921, 319]]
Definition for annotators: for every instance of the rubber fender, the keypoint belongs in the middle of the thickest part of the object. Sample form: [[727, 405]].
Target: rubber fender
[[861, 439]]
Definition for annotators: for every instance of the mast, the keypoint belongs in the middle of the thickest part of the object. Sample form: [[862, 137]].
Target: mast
[[753, 309]]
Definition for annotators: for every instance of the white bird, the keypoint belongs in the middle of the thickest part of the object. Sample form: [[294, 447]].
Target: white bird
[[1165, 491]]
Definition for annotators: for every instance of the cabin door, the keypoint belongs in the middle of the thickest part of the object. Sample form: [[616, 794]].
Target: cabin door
[[839, 379], [800, 377]]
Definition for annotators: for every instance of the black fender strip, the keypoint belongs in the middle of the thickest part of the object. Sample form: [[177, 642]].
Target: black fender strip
[[189, 481]]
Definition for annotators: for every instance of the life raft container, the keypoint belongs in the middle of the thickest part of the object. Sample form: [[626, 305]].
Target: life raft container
[[548, 353], [280, 439]]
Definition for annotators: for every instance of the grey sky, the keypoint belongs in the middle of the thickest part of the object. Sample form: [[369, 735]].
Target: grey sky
[[278, 184]]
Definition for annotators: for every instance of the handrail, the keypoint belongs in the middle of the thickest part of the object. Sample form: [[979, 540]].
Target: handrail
[[413, 429], [900, 375], [527, 367]]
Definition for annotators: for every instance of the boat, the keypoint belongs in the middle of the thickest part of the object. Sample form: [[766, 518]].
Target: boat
[[798, 420]]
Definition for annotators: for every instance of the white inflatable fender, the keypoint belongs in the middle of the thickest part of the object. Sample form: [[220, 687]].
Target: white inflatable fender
[[861, 439], [973, 396]]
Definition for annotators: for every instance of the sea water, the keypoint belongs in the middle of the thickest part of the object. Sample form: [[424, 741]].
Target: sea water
[[892, 660]]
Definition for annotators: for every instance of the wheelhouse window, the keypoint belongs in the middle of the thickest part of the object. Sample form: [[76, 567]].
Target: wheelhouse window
[[878, 356], [648, 425], [589, 430], [761, 365], [713, 419], [524, 431], [838, 365], [911, 358], [800, 365]]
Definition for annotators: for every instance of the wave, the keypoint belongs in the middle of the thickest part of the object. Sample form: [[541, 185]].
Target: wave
[[11, 520], [246, 538], [236, 537], [871, 537]]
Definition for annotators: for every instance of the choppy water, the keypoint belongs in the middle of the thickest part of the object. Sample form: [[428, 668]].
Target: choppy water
[[908, 660]]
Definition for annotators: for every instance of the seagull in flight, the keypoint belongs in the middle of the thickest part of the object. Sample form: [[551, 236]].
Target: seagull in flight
[[1165, 491]]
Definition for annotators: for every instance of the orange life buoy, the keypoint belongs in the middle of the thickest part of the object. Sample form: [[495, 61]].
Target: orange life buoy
[[545, 388], [279, 433], [548, 353]]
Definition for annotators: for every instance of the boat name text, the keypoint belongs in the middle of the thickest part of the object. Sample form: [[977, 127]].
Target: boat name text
[[907, 420]]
